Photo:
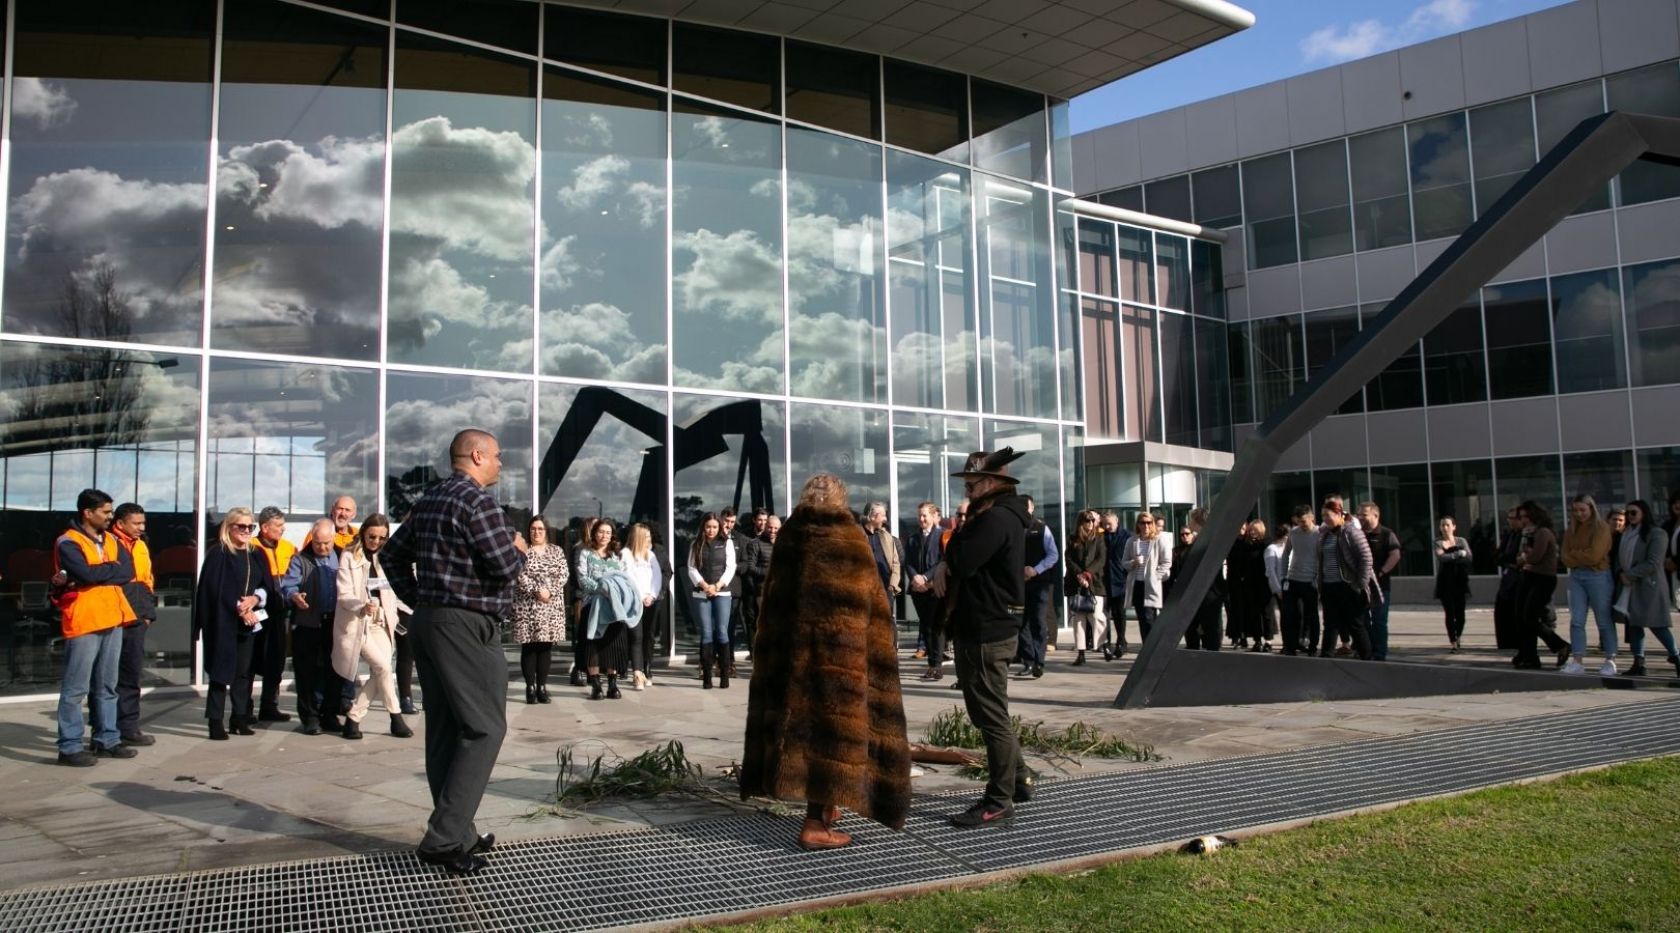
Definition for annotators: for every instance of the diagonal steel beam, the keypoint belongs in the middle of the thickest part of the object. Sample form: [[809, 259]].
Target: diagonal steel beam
[[1582, 163]]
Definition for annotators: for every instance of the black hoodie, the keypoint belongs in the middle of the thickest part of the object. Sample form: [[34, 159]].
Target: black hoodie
[[986, 558]]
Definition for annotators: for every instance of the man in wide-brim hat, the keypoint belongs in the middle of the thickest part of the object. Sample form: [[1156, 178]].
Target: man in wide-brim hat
[[981, 572]]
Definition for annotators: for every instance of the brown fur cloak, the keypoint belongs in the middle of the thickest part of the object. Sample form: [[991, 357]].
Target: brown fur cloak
[[825, 717]]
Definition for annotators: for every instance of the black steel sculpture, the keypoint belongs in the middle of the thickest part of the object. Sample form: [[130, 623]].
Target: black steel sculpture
[[1581, 164]]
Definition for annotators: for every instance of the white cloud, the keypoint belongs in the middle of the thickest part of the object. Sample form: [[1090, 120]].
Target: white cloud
[[432, 284], [736, 276], [592, 181], [1368, 36], [45, 103], [341, 183], [469, 187], [589, 341]]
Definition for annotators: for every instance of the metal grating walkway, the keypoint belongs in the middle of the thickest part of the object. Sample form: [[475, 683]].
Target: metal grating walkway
[[739, 863]]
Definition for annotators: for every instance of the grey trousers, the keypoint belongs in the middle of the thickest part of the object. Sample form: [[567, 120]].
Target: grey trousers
[[464, 677], [983, 671]]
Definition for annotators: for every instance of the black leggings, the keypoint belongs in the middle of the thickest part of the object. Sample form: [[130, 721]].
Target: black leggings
[[405, 668], [1534, 594], [1454, 607], [536, 659]]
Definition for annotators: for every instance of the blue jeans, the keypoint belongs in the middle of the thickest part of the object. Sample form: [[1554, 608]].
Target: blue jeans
[[1377, 621], [90, 660], [712, 615], [1636, 639], [1591, 588]]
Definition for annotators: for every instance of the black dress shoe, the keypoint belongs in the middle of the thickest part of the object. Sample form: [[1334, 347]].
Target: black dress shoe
[[352, 730], [138, 739], [311, 727], [484, 844], [542, 693], [241, 727], [456, 863], [273, 715], [118, 750]]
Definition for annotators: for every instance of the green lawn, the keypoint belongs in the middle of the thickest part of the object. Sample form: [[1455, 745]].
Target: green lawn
[[1597, 851]]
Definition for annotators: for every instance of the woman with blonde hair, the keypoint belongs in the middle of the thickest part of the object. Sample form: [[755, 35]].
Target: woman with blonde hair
[[825, 716], [234, 589], [365, 627], [1149, 568], [1586, 552], [1085, 586], [643, 569]]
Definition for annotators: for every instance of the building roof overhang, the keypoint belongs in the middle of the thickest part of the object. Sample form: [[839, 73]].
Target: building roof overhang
[[1057, 47]]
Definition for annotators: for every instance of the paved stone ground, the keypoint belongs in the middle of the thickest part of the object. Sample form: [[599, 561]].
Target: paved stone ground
[[188, 803]]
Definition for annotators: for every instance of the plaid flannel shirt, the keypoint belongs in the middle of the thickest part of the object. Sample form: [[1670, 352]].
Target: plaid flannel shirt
[[455, 549]]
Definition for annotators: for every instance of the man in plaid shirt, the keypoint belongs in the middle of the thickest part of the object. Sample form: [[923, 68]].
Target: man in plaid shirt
[[455, 561]]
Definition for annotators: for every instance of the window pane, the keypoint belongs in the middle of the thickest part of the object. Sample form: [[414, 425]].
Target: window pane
[[1400, 385], [1097, 273], [1141, 378], [1587, 330], [1452, 358], [1654, 90], [1269, 206], [124, 422], [1653, 299], [851, 443], [631, 46], [1402, 492], [1606, 475], [1279, 366], [1104, 367], [1172, 271], [747, 470], [1327, 332], [926, 448], [1382, 215], [1464, 490], [739, 68], [1137, 278], [1169, 197], [1240, 355], [927, 110], [300, 192], [1659, 479], [506, 25], [1207, 278], [1178, 379], [1440, 176], [726, 251], [602, 452], [1061, 146], [1009, 130], [1558, 111], [1321, 193], [463, 170], [422, 413], [108, 171], [1537, 478], [603, 283], [1130, 199], [1353, 484], [1218, 197], [834, 88], [1017, 317], [1284, 492], [294, 435], [1070, 355], [1213, 384], [837, 318], [930, 275], [1502, 146], [1519, 337]]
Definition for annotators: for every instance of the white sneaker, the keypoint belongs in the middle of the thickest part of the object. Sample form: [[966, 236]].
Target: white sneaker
[[1574, 667], [1608, 670]]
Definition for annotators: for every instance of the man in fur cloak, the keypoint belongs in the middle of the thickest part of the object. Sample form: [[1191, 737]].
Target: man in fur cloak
[[825, 718]]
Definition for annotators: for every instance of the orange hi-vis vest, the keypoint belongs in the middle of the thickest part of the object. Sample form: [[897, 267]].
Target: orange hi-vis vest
[[142, 557], [88, 609], [343, 539], [279, 556]]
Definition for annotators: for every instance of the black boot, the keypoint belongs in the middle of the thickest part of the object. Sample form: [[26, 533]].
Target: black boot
[[241, 725], [1079, 659], [352, 729], [399, 728], [705, 667], [725, 658], [577, 676], [1638, 668], [218, 730], [612, 688], [530, 695], [594, 686], [542, 693]]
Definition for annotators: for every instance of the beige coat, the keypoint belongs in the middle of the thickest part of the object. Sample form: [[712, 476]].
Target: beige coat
[[349, 627]]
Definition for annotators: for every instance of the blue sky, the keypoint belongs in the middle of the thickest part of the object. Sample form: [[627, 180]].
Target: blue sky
[[1289, 37]]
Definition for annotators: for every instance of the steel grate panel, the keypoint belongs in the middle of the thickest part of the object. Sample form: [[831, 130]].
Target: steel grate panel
[[743, 862]]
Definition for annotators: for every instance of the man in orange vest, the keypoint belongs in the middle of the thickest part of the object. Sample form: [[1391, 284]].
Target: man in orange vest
[[271, 641], [342, 514], [94, 611], [129, 527]]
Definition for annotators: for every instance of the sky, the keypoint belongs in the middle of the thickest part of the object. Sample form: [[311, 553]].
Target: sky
[[1289, 37]]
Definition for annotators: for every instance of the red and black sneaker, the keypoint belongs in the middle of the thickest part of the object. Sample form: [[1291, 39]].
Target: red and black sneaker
[[983, 814]]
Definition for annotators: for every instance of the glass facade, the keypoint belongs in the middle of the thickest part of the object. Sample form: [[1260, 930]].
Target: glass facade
[[673, 268]]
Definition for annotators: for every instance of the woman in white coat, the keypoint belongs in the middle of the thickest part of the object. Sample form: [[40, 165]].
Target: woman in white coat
[[1148, 563], [365, 627]]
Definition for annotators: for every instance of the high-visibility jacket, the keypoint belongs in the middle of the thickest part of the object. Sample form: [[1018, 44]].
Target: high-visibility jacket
[[84, 607], [343, 539], [142, 593], [279, 556]]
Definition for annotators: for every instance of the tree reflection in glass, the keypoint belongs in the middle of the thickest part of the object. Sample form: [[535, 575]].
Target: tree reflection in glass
[[463, 171], [603, 268], [836, 306], [726, 251], [929, 271], [300, 187], [105, 234], [422, 414]]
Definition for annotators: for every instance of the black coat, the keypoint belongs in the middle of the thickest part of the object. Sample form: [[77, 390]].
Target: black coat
[[227, 577], [985, 557]]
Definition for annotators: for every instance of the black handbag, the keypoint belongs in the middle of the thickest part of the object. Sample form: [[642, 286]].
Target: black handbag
[[1083, 601]]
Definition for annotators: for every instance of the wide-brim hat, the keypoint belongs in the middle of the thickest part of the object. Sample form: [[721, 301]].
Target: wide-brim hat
[[994, 464]]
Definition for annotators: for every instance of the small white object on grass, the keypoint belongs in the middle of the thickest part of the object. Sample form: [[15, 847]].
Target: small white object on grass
[[1206, 845]]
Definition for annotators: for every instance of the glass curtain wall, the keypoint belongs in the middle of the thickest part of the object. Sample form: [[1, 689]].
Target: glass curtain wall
[[673, 272]]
